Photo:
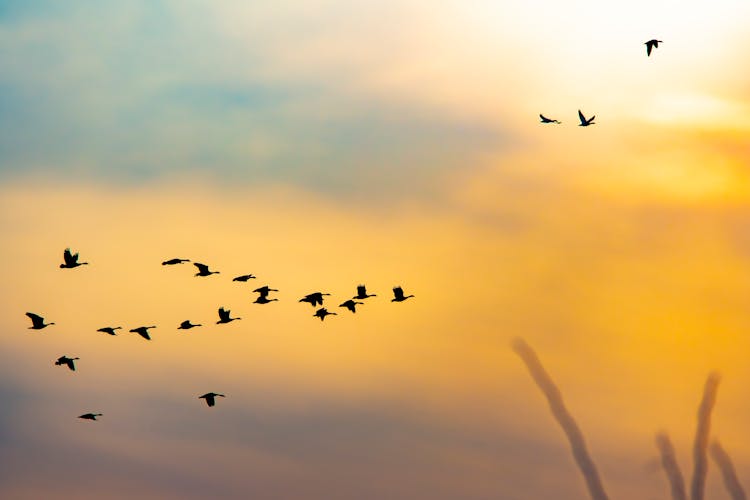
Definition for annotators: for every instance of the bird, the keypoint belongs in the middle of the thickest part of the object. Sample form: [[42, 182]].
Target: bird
[[210, 398], [351, 305], [544, 119], [172, 262], [398, 294], [90, 416], [322, 313], [264, 290], [362, 293], [143, 331], [71, 260], [224, 316], [109, 329], [263, 299], [203, 270], [314, 299], [244, 277], [584, 121], [64, 360], [186, 325], [651, 45], [37, 322]]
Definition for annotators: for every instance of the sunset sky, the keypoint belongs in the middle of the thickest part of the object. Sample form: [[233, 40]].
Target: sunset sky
[[319, 144]]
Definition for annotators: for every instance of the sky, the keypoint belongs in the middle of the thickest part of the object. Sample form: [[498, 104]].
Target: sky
[[320, 144]]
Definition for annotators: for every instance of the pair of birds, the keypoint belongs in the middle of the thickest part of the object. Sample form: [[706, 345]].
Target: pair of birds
[[210, 398], [224, 317], [585, 122]]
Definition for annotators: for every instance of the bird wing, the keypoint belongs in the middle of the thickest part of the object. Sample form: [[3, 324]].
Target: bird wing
[[649, 46], [210, 399], [591, 120], [544, 118], [223, 314], [35, 318], [202, 268], [69, 257], [144, 333], [361, 290], [398, 292], [581, 117], [70, 364]]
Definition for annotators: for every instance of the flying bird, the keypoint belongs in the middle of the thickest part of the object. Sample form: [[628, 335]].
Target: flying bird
[[172, 262], [398, 294], [322, 313], [585, 122], [244, 277], [544, 119], [64, 360], [264, 290], [109, 329], [362, 293], [314, 299], [186, 325], [203, 270], [224, 316], [90, 416], [651, 45], [37, 322], [143, 331], [210, 398], [71, 260], [263, 299], [351, 305]]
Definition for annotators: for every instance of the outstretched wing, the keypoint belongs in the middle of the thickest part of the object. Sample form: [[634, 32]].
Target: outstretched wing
[[581, 117], [361, 290], [223, 314], [70, 258], [71, 364], [398, 292], [202, 268], [649, 47]]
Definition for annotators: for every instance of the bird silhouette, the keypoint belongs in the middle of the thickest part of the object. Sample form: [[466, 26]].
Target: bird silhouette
[[64, 360], [203, 270], [314, 299], [264, 290], [351, 305], [651, 45], [263, 299], [398, 294], [362, 293], [109, 329], [244, 277], [585, 122], [37, 322], [544, 119], [71, 260], [172, 262], [143, 331], [224, 316], [322, 313], [186, 325], [210, 398], [90, 416]]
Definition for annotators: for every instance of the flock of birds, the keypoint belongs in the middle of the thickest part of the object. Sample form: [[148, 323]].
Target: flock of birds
[[315, 299], [585, 122]]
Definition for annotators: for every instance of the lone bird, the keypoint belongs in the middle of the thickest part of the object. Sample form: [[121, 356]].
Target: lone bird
[[351, 305], [109, 329], [244, 277], [398, 294], [362, 293], [172, 262], [263, 299], [585, 122], [544, 119], [203, 270], [651, 45], [71, 260], [64, 360], [37, 322], [224, 316], [143, 331], [314, 299], [187, 325], [90, 416], [322, 313], [210, 398]]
